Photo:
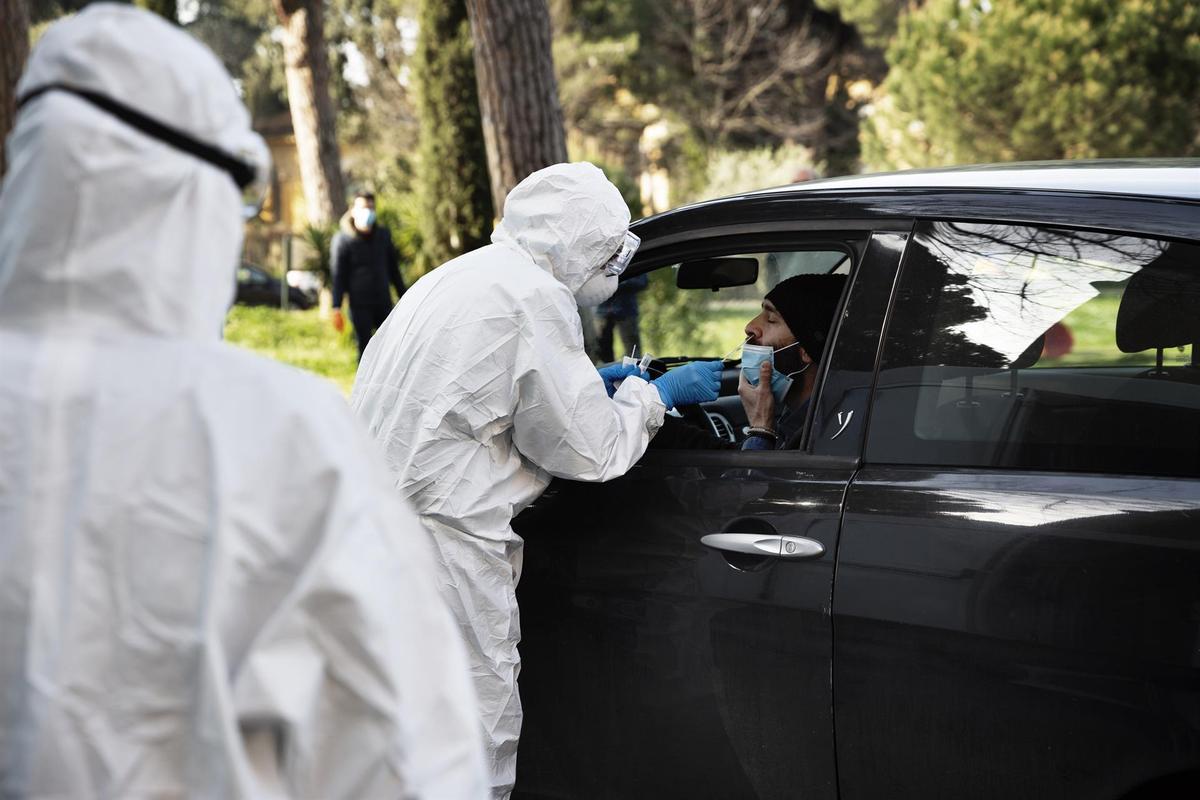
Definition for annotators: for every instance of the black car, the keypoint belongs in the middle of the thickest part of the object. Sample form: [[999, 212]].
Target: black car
[[976, 575], [256, 287]]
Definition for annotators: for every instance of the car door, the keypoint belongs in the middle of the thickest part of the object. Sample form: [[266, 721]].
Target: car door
[[656, 664], [1017, 606]]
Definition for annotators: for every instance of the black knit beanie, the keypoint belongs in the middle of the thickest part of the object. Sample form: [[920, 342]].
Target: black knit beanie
[[807, 304]]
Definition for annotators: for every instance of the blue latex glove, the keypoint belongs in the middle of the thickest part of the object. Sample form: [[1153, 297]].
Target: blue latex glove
[[696, 382], [617, 372]]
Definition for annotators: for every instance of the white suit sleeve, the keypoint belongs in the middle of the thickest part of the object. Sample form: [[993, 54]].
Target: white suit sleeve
[[564, 420], [363, 673]]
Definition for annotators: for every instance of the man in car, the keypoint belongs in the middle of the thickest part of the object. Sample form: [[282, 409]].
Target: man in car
[[795, 320], [794, 324], [365, 261]]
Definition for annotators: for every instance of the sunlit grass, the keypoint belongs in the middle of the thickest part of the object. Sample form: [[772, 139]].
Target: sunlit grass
[[299, 338], [1093, 331]]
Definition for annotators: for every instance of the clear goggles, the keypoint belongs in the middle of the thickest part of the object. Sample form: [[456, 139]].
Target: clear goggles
[[250, 178], [620, 260]]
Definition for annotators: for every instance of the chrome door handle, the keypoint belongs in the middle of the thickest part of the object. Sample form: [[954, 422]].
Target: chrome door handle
[[764, 544]]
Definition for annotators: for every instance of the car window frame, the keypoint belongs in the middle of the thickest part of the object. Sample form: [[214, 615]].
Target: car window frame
[[852, 235]]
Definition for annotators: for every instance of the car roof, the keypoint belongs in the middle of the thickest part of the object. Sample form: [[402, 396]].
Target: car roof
[[1177, 179]]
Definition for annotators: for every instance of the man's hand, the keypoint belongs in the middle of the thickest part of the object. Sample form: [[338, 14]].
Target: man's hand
[[758, 400], [339, 322]]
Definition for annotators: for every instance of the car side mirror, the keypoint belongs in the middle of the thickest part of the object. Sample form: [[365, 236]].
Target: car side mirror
[[717, 273]]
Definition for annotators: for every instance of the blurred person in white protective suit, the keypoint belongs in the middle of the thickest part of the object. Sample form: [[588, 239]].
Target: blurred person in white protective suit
[[478, 388], [207, 586]]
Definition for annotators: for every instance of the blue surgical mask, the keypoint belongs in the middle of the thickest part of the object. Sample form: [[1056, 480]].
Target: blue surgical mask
[[753, 355], [364, 217]]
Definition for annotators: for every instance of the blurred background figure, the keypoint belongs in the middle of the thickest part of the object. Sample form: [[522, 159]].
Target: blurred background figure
[[208, 588], [620, 313], [365, 261]]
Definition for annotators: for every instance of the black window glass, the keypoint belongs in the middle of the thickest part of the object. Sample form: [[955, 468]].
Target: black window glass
[[1036, 348]]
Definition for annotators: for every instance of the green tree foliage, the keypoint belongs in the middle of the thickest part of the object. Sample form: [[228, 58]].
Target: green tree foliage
[[167, 9], [731, 172], [319, 239], [595, 54], [379, 118], [1001, 80], [876, 20], [239, 32], [401, 214], [671, 319], [452, 177]]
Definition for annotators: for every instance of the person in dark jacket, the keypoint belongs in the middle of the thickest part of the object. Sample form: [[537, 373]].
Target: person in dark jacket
[[620, 312], [364, 262]]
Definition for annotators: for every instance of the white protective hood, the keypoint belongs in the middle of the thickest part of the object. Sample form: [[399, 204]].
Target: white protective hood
[[479, 390], [195, 543], [568, 219]]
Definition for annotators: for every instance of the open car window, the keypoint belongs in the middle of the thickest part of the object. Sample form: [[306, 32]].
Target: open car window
[[677, 325]]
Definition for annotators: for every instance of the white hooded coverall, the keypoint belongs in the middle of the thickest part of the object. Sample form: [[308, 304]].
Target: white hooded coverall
[[207, 586], [479, 390]]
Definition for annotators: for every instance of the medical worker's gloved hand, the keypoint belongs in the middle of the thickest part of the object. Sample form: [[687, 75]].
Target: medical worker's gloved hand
[[697, 382], [616, 372]]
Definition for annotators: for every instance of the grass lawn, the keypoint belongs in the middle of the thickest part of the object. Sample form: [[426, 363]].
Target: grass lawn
[[299, 338]]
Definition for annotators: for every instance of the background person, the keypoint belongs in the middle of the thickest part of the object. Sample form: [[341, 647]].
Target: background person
[[364, 262], [620, 312], [479, 391], [207, 588]]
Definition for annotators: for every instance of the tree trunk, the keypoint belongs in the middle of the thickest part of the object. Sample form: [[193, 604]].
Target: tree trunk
[[14, 47], [306, 65], [518, 95]]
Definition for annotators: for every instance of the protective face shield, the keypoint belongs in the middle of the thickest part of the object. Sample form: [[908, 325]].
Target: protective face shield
[[753, 355], [597, 289], [602, 286], [364, 218], [249, 168], [620, 260]]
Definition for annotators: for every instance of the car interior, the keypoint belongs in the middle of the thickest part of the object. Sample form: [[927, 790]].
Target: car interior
[[1039, 408], [722, 293]]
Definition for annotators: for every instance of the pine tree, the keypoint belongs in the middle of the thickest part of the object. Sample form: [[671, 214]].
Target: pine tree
[[1005, 80], [452, 176]]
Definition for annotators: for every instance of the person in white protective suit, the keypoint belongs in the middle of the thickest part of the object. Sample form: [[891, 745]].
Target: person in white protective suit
[[207, 586], [478, 388]]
